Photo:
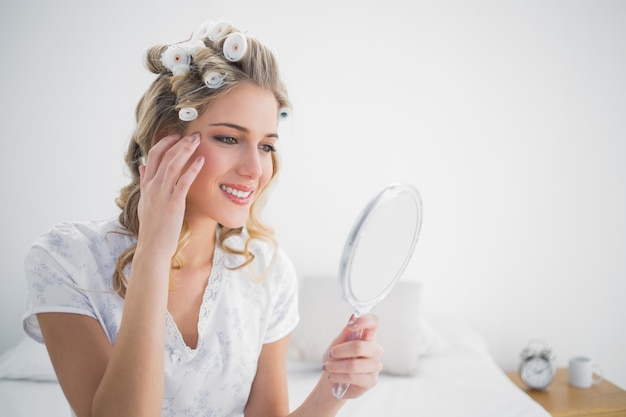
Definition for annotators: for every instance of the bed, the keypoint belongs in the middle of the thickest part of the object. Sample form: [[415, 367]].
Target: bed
[[433, 366]]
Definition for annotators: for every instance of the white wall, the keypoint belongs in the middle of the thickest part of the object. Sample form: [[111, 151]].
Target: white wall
[[508, 116]]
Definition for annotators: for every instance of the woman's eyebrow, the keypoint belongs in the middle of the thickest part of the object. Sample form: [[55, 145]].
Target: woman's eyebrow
[[232, 126], [242, 129]]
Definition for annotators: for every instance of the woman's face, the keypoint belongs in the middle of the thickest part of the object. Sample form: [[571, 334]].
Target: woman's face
[[238, 134]]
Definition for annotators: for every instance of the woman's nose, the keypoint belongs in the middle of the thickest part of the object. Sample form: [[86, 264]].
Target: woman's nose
[[250, 164]]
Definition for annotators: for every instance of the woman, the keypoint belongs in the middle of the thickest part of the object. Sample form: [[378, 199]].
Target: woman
[[183, 305]]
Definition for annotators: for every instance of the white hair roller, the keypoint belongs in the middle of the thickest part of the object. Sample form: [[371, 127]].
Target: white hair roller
[[175, 55], [218, 30], [193, 45], [284, 113], [180, 69], [203, 30], [214, 79], [235, 46], [187, 114]]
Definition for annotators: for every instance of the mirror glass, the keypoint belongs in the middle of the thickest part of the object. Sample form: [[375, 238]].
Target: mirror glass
[[380, 246], [378, 249]]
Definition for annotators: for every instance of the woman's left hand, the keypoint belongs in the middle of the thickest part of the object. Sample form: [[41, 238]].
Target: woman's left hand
[[355, 361]]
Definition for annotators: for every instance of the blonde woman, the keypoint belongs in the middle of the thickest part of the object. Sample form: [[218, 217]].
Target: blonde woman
[[183, 304]]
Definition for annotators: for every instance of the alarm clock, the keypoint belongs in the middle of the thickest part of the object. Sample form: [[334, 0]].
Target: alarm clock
[[537, 367]]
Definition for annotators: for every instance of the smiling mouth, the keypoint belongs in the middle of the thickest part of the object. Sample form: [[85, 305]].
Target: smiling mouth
[[234, 192]]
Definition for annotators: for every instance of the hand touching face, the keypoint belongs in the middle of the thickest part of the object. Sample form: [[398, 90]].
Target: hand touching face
[[165, 181]]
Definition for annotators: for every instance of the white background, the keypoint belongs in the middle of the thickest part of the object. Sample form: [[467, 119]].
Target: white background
[[509, 116]]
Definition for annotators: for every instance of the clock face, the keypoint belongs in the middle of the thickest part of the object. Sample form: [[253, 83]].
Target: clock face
[[537, 373]]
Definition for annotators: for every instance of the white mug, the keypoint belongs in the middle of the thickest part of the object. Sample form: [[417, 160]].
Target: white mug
[[581, 372]]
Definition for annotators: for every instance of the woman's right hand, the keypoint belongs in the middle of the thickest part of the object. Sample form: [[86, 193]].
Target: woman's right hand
[[165, 179], [99, 378]]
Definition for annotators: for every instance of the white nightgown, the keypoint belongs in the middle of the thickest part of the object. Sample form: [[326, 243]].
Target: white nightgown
[[69, 270]]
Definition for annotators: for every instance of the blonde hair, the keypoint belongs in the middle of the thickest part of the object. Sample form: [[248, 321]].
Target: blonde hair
[[157, 116]]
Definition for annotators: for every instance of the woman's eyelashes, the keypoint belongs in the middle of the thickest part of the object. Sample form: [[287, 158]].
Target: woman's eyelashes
[[267, 148], [229, 140]]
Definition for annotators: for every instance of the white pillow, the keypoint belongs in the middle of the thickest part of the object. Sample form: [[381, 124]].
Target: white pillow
[[323, 314], [27, 360]]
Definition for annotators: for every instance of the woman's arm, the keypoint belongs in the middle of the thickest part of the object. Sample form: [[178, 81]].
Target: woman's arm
[[268, 395], [356, 362], [127, 379], [132, 384], [99, 379], [79, 351]]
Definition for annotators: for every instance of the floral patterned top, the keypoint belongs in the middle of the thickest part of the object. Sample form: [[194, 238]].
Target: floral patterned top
[[69, 270]]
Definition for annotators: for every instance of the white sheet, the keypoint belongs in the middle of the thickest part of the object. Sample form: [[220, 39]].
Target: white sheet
[[458, 379], [461, 379], [24, 398]]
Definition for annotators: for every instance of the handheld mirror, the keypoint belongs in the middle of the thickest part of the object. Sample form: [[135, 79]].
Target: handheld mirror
[[377, 251]]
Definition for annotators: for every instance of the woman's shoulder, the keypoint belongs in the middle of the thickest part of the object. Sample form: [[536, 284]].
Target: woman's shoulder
[[66, 238], [81, 230]]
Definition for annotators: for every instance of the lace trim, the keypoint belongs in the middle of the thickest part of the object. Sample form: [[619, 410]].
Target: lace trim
[[177, 347]]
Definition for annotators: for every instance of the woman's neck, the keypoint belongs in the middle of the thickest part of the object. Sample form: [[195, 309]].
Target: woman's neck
[[198, 252]]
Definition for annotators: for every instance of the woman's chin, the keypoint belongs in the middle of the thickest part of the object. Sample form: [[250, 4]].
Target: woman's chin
[[233, 223]]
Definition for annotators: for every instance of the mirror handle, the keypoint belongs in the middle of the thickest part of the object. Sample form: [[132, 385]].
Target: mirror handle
[[339, 390]]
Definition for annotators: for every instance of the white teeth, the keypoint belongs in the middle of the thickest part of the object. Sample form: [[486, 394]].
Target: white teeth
[[236, 193]]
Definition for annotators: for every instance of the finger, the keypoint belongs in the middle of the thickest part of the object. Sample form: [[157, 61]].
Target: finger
[[174, 157], [363, 328], [187, 178], [176, 160], [366, 326], [366, 321], [360, 380], [355, 349], [155, 154], [354, 366], [363, 381], [345, 335]]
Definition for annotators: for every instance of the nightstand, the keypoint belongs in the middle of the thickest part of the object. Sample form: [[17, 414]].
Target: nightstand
[[562, 400]]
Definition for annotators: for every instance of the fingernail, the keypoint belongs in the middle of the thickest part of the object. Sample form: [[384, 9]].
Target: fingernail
[[352, 322], [324, 366], [330, 354]]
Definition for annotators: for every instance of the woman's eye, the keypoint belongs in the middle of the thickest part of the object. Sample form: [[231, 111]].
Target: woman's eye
[[267, 148], [229, 140]]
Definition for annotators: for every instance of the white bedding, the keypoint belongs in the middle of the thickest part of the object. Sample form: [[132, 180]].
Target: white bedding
[[458, 378], [26, 398]]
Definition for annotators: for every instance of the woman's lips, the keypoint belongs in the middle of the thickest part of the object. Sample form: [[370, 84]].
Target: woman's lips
[[237, 194]]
